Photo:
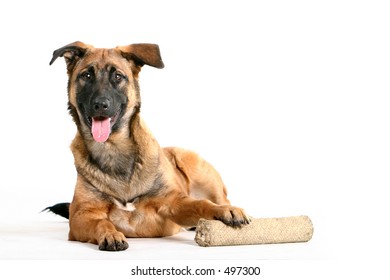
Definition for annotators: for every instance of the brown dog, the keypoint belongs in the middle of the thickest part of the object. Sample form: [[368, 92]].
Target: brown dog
[[127, 185]]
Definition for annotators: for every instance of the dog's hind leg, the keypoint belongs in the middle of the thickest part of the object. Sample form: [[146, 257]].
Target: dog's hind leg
[[204, 182]]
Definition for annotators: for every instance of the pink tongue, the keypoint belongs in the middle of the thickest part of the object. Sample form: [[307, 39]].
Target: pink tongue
[[101, 129]]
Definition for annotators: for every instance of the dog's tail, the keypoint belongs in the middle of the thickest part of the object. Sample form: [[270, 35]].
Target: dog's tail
[[61, 209]]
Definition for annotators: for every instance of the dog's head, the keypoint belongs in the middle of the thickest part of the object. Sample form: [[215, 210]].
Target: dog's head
[[103, 86]]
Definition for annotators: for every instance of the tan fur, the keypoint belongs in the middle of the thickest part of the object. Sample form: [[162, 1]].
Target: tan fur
[[166, 189]]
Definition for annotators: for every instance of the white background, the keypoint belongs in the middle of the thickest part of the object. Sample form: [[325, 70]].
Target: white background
[[288, 99]]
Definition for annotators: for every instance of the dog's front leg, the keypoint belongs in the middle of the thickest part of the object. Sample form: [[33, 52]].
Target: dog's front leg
[[187, 211], [89, 222], [93, 226]]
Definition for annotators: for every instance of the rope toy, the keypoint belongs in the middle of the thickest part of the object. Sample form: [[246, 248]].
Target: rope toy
[[259, 231]]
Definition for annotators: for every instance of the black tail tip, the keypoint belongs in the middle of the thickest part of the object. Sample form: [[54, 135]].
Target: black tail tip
[[61, 209]]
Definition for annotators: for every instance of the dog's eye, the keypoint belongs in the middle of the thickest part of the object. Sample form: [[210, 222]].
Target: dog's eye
[[86, 76], [118, 77]]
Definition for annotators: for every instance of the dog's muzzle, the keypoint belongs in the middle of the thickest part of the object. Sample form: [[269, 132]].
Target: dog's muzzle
[[101, 118]]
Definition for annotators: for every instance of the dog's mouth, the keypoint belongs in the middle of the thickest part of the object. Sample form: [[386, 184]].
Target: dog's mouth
[[101, 126]]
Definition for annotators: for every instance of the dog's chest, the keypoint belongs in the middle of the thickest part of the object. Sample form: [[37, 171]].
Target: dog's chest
[[122, 171], [127, 180], [129, 206]]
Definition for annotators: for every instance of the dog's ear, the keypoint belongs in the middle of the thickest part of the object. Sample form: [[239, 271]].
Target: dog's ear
[[72, 53], [143, 54]]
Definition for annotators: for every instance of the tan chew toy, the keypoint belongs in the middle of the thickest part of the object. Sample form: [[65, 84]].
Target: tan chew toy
[[259, 231]]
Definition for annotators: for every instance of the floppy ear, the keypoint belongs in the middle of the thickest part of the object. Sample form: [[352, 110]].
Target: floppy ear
[[72, 53], [143, 54]]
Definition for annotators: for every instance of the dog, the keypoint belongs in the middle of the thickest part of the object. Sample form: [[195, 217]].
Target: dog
[[127, 185]]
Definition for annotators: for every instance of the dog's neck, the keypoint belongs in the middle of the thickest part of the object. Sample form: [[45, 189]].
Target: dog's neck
[[137, 150]]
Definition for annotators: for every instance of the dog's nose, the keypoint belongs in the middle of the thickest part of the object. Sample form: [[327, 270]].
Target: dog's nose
[[101, 105]]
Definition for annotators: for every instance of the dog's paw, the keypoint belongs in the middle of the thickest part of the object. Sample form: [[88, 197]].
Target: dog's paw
[[232, 216], [113, 242]]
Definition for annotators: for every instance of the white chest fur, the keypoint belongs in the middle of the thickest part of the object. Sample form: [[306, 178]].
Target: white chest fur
[[128, 207]]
